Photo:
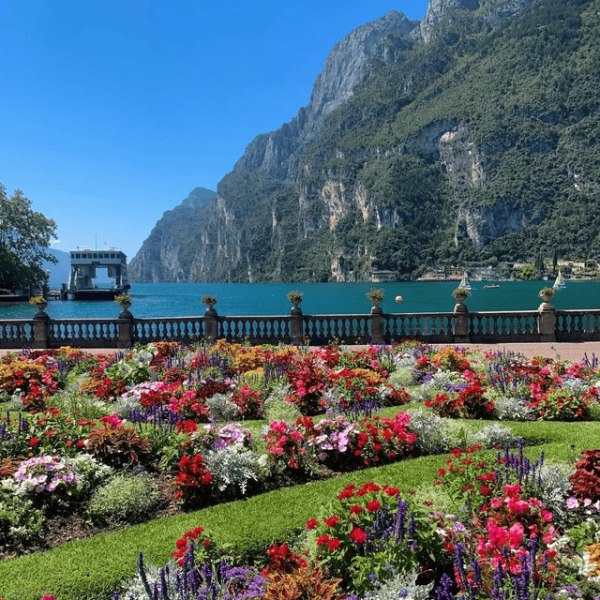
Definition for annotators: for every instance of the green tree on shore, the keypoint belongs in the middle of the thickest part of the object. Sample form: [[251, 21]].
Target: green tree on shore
[[24, 236]]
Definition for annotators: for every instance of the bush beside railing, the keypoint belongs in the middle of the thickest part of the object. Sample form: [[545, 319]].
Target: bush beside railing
[[460, 326]]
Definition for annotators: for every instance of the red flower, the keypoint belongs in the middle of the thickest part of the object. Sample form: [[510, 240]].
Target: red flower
[[323, 539], [333, 544], [356, 509], [358, 536], [373, 505], [34, 442], [332, 521], [311, 524]]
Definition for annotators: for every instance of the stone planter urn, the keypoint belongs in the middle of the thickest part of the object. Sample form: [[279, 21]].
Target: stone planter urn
[[376, 297], [124, 301], [40, 303], [209, 301], [546, 294], [460, 295], [296, 299]]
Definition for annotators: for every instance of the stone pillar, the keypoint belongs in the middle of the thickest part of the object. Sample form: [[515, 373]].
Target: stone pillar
[[125, 329], [211, 324], [297, 326], [546, 322], [377, 333], [41, 330], [461, 324]]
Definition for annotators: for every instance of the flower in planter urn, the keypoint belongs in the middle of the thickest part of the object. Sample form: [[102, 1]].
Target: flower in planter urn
[[375, 296], [122, 298], [295, 297], [460, 294], [209, 300], [546, 293], [38, 301]]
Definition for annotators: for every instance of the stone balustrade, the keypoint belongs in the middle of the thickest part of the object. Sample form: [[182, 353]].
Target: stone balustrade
[[297, 328]]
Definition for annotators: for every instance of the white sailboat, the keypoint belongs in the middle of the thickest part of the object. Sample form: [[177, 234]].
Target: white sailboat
[[464, 282], [559, 284]]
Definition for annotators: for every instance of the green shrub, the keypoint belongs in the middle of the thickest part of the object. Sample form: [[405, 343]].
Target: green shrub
[[20, 523], [124, 499]]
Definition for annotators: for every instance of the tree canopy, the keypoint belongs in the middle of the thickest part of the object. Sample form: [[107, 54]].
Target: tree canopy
[[24, 235]]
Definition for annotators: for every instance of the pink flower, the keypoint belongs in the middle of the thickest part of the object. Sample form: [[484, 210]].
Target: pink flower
[[518, 506], [548, 536], [278, 426], [515, 534], [547, 516]]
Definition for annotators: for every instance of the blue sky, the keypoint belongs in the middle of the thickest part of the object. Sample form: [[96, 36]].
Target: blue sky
[[113, 111]]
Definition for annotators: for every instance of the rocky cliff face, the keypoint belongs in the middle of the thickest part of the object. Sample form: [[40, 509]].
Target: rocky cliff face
[[440, 10], [414, 147], [276, 153], [163, 256]]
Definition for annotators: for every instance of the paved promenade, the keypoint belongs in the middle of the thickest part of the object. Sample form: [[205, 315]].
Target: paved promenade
[[574, 352]]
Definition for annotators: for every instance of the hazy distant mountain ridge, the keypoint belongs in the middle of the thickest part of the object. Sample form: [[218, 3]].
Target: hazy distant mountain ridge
[[471, 136]]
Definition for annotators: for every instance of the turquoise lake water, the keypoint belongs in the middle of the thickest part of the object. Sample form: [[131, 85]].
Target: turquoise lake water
[[183, 299]]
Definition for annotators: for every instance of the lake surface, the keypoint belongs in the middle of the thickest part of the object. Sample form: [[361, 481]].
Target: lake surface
[[183, 299]]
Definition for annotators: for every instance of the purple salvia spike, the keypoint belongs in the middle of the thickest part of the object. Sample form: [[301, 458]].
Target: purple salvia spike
[[143, 576]]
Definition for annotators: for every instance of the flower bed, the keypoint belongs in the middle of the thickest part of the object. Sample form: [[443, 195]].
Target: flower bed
[[153, 414]]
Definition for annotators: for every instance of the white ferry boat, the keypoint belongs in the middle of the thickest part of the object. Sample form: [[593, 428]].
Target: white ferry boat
[[84, 264]]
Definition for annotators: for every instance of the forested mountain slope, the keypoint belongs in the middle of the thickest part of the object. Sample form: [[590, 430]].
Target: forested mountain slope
[[471, 136]]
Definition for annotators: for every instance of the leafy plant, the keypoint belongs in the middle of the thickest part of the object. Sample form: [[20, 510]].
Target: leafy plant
[[234, 469], [295, 297], [209, 300], [126, 498], [375, 295], [547, 293], [460, 294], [21, 522], [302, 583], [117, 444], [586, 478], [38, 301]]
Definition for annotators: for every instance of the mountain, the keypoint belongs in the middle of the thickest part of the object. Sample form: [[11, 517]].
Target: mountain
[[166, 254], [471, 136]]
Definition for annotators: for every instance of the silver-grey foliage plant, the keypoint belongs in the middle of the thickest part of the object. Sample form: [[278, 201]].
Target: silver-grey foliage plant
[[495, 435], [276, 408], [513, 409], [234, 467], [401, 586], [222, 408], [432, 437]]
